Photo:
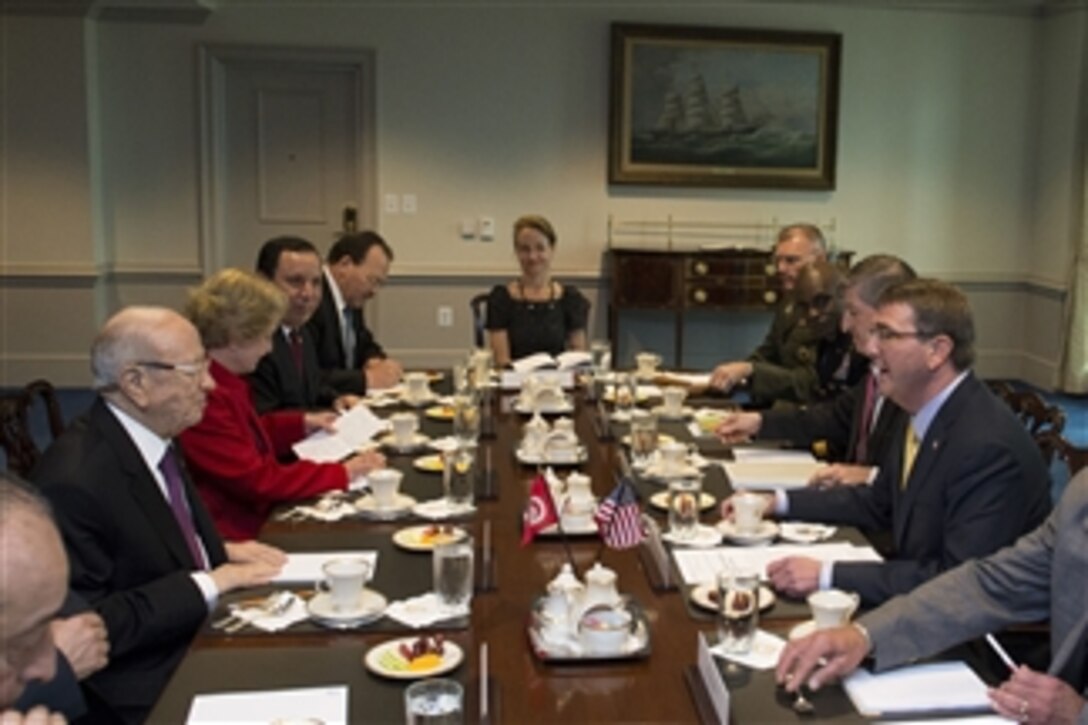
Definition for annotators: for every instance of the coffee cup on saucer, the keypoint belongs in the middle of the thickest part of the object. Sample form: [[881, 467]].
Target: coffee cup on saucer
[[417, 387], [344, 581], [748, 513], [672, 399], [646, 364], [384, 485], [832, 607], [673, 456], [405, 425]]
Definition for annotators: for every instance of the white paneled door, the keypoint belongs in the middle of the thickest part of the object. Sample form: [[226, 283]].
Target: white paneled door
[[287, 149]]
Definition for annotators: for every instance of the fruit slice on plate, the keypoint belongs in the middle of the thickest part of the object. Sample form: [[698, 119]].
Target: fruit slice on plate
[[410, 658]]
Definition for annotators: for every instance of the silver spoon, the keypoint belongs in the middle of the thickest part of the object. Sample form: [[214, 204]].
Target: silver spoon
[[802, 705]]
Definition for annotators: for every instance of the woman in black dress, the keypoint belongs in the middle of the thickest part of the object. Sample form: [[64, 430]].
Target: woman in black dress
[[534, 313]]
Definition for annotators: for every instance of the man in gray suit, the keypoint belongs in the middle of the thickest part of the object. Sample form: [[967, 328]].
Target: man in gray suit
[[1044, 574]]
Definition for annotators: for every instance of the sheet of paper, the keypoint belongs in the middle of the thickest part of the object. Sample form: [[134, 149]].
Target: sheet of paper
[[767, 475], [532, 362], [701, 566], [712, 680], [327, 705], [698, 380], [353, 430], [512, 379], [744, 454], [939, 686], [306, 567]]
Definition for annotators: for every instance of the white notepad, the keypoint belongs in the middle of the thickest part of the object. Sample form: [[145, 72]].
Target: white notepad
[[939, 686], [327, 705]]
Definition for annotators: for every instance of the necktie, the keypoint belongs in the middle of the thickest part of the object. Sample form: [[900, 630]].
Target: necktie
[[349, 338], [295, 339], [175, 491], [910, 452], [861, 450]]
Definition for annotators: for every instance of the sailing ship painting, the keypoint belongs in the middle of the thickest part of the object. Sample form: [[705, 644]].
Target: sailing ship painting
[[725, 109]]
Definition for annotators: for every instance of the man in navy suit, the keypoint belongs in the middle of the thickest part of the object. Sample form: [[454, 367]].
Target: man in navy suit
[[962, 478], [350, 359], [142, 548], [289, 377]]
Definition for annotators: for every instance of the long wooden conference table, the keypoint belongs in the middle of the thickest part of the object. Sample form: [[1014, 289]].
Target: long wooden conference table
[[657, 687]]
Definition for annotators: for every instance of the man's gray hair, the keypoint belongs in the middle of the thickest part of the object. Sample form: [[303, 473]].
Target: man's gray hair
[[811, 232], [123, 340], [16, 496]]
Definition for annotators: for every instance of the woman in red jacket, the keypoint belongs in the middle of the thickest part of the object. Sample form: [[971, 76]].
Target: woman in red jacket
[[234, 454]]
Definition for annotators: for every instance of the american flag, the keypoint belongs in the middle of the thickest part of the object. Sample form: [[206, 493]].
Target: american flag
[[619, 517]]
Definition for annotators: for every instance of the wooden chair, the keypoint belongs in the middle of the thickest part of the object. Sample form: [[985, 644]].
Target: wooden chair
[[478, 304], [1003, 390], [1042, 420], [15, 433]]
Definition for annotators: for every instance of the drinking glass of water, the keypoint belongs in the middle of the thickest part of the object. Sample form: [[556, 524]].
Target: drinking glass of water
[[459, 475], [453, 579], [434, 702], [738, 609], [466, 419], [643, 436], [684, 494]]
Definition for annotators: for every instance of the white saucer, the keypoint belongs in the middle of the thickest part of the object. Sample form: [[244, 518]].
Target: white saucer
[[658, 472], [441, 508], [662, 439], [661, 500], [683, 414], [799, 532], [552, 457], [371, 607], [418, 441], [803, 629], [552, 408], [381, 660], [424, 538], [701, 596], [705, 537], [767, 531], [402, 504], [430, 397]]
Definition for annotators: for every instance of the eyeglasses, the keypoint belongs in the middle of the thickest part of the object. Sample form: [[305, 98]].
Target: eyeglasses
[[192, 369], [885, 333]]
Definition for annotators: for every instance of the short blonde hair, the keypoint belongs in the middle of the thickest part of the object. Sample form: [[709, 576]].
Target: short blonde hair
[[235, 306]]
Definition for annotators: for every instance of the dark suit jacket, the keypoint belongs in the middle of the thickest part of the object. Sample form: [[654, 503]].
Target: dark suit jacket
[[836, 421], [1043, 576], [277, 385], [978, 482], [324, 327], [128, 557]]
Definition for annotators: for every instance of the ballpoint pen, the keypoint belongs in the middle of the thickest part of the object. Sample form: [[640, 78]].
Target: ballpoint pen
[[996, 647]]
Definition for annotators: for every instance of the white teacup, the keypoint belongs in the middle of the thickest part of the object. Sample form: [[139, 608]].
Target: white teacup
[[416, 386], [344, 581], [384, 484], [405, 425], [748, 512], [674, 455], [605, 631], [646, 364], [481, 366], [673, 399], [832, 607]]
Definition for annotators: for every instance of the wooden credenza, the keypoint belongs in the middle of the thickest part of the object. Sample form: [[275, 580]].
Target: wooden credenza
[[679, 281]]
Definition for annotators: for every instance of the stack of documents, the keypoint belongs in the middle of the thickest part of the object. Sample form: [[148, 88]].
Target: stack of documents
[[702, 566], [940, 689], [354, 429], [769, 474], [327, 705]]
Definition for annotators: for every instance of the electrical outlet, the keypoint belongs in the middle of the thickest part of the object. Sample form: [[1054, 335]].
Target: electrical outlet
[[392, 204], [409, 204], [445, 316], [487, 228]]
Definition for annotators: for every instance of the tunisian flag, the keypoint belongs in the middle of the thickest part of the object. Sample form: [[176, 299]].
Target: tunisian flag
[[539, 511]]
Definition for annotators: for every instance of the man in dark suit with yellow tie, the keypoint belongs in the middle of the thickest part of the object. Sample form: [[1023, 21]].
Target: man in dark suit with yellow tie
[[963, 477], [143, 550]]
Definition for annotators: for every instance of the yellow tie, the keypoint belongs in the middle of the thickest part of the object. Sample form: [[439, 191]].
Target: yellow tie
[[910, 452]]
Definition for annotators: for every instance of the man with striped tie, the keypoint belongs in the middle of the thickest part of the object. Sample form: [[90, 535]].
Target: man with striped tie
[[962, 478]]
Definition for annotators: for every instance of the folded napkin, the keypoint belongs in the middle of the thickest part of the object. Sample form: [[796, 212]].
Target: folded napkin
[[766, 649], [330, 507], [423, 611], [263, 620], [805, 533]]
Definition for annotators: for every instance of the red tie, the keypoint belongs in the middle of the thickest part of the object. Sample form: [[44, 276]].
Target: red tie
[[866, 419], [295, 338], [175, 491]]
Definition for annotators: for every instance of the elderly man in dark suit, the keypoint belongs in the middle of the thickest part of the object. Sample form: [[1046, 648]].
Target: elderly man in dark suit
[[1043, 575], [143, 550], [351, 360], [857, 424], [963, 477], [34, 574]]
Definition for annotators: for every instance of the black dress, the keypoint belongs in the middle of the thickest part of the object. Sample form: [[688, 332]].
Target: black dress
[[533, 326]]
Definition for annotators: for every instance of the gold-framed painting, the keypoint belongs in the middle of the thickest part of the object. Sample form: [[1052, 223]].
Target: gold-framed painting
[[696, 106]]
